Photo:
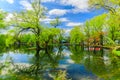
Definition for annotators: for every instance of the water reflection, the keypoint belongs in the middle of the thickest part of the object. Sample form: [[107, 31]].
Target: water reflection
[[45, 64], [40, 66], [101, 63]]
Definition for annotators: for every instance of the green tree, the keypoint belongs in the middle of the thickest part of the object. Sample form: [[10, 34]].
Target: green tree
[[87, 30], [49, 35], [30, 20], [97, 24], [27, 39], [76, 35], [3, 25], [11, 37], [109, 5], [113, 6], [113, 26]]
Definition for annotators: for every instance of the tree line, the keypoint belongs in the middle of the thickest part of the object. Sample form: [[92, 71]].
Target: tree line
[[101, 30]]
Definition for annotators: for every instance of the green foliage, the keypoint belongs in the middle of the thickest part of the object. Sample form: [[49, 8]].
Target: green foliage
[[62, 75], [116, 51], [2, 43], [27, 38], [76, 35], [2, 21], [2, 40], [10, 40], [106, 4], [30, 20], [77, 54], [49, 34], [109, 42], [113, 15], [87, 29], [117, 2], [97, 24], [95, 29], [11, 37], [113, 26]]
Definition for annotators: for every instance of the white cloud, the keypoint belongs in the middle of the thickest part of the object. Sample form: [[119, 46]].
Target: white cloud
[[10, 1], [73, 24], [26, 5], [47, 20], [70, 61], [79, 5], [64, 20], [67, 31], [48, 0], [58, 12]]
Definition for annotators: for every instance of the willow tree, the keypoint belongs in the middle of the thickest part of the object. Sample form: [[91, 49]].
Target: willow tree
[[55, 23], [49, 35], [97, 24], [30, 20], [87, 30], [77, 36], [113, 7], [114, 27]]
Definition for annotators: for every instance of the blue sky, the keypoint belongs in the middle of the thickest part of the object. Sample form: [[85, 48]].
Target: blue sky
[[70, 12]]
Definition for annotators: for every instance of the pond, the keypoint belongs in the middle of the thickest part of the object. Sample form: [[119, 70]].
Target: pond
[[63, 61]]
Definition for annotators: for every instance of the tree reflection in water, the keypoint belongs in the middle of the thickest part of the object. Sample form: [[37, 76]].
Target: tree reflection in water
[[43, 66], [101, 63]]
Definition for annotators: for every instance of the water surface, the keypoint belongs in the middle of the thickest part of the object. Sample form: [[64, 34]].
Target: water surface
[[44, 65]]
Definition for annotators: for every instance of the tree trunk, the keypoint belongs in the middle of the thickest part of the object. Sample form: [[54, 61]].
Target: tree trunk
[[113, 36], [118, 41], [88, 41], [37, 63], [94, 45], [46, 44], [101, 40], [82, 45], [101, 43], [37, 45]]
